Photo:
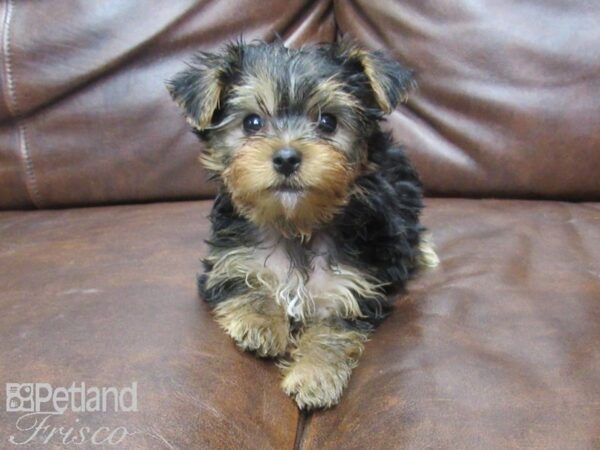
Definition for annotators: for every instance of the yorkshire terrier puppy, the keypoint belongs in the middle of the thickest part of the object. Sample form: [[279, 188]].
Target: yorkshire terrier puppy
[[316, 225]]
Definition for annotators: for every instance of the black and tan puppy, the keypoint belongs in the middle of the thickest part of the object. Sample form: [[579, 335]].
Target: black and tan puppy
[[317, 221]]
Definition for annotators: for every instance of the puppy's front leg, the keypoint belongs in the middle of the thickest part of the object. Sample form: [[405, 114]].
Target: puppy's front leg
[[321, 363], [240, 292], [255, 322]]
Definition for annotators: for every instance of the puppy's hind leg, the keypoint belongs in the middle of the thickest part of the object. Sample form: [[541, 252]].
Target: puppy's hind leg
[[321, 363], [427, 257]]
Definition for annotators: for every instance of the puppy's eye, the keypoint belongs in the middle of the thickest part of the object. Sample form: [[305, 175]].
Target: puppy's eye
[[327, 123], [253, 123]]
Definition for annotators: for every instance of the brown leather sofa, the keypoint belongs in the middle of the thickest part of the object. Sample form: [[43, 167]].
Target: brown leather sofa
[[105, 215]]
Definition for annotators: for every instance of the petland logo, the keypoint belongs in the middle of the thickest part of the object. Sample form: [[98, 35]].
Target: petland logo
[[41, 403], [43, 397]]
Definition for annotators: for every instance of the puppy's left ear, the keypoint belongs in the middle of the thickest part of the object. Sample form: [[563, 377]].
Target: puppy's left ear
[[390, 82], [199, 88]]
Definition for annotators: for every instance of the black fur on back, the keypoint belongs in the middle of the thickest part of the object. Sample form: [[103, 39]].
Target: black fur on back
[[380, 232]]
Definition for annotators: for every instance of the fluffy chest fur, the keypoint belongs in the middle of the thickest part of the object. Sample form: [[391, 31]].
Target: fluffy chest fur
[[308, 280]]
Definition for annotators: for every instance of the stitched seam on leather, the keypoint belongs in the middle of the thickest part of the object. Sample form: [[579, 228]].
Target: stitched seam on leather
[[13, 109], [9, 97], [3, 83]]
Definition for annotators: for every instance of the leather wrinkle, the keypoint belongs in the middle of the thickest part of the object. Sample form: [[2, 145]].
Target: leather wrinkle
[[302, 13], [117, 63]]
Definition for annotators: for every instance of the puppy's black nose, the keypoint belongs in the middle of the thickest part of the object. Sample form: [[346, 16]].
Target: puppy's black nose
[[286, 161]]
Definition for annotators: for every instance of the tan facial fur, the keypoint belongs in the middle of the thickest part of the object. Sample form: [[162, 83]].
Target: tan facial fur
[[323, 182]]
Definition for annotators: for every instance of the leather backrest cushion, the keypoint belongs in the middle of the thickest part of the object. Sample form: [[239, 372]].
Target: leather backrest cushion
[[508, 101], [85, 117], [509, 92]]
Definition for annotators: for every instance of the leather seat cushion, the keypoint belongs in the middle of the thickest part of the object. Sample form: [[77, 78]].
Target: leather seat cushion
[[496, 348]]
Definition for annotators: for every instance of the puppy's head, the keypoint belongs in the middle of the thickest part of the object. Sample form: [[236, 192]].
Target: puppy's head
[[287, 129]]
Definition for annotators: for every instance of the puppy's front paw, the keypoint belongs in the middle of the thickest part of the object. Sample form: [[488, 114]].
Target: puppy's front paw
[[262, 335], [265, 334], [321, 364], [316, 386]]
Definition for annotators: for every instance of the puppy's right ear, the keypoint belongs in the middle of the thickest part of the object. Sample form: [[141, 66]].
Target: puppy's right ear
[[199, 88]]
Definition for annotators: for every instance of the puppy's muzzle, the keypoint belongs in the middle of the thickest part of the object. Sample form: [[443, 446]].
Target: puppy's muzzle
[[286, 161]]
